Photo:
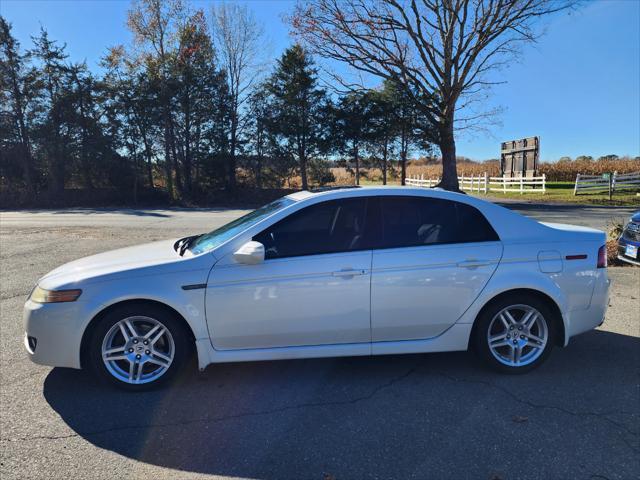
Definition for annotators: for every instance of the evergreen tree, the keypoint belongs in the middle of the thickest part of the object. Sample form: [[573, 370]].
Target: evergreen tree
[[352, 121], [15, 100], [52, 83], [299, 109]]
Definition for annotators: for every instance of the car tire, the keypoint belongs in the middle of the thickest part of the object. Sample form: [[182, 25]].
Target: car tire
[[515, 333], [151, 354]]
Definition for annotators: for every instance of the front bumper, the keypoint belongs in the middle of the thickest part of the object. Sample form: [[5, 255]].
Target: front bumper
[[57, 332]]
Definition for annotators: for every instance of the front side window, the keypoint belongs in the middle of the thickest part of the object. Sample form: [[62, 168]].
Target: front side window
[[327, 227], [414, 221], [211, 240]]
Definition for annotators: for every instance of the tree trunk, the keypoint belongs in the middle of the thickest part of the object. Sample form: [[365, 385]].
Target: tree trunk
[[188, 174], [135, 177], [404, 148], [167, 157], [174, 154], [26, 163], [403, 168], [56, 175], [259, 171], [448, 149], [56, 167], [84, 161], [384, 162], [302, 156], [231, 168], [147, 153], [303, 172], [26, 147], [356, 157]]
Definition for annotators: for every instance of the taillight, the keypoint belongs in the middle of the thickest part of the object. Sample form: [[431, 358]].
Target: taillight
[[602, 257]]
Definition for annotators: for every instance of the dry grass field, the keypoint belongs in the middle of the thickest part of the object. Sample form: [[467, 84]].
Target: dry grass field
[[560, 179], [562, 171]]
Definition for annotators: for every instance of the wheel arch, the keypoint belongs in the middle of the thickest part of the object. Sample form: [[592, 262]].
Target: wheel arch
[[544, 297], [141, 301]]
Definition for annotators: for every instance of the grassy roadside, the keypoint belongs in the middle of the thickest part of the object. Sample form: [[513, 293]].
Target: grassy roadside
[[557, 192], [562, 192]]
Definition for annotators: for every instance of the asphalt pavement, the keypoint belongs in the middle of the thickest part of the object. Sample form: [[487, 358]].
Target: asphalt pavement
[[415, 416]]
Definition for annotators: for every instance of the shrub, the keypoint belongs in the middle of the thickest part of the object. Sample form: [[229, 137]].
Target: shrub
[[320, 172]]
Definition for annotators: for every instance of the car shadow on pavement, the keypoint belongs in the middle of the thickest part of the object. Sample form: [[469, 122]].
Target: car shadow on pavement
[[375, 417]]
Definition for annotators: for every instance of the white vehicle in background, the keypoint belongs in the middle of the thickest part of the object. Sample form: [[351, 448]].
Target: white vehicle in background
[[342, 272]]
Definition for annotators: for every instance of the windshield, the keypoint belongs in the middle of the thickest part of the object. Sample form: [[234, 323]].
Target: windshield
[[211, 240]]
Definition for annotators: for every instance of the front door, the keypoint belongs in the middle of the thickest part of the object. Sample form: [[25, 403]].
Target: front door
[[434, 258], [312, 289]]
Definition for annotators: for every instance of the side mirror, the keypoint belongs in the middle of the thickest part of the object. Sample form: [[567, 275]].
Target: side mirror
[[251, 253]]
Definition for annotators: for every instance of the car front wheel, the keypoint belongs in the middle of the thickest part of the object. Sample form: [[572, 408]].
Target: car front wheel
[[515, 334], [138, 347]]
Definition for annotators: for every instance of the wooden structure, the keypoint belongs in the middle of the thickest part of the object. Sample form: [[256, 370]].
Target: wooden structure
[[519, 158]]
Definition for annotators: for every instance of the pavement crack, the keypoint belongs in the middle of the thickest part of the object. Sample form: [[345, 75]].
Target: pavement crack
[[375, 391], [529, 403], [12, 296]]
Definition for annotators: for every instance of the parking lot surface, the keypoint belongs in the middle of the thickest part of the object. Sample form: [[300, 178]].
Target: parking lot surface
[[417, 416]]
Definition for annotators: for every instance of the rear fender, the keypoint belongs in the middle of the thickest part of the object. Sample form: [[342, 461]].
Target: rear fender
[[511, 277]]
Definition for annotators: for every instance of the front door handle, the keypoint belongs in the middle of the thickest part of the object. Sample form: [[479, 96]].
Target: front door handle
[[348, 272], [473, 263]]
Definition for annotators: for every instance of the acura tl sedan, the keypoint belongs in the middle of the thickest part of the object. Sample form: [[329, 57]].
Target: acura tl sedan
[[342, 272]]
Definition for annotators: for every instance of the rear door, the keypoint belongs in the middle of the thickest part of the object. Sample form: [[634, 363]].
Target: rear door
[[433, 259]]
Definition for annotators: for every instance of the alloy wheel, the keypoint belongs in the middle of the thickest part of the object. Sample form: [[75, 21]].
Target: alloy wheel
[[517, 335], [138, 350]]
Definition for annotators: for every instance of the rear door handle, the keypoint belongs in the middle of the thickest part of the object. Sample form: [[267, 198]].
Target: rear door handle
[[473, 263], [348, 273]]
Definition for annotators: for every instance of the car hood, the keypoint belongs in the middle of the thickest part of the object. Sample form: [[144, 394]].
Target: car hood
[[113, 262], [636, 217]]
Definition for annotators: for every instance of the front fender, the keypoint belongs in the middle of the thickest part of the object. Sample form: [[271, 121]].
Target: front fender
[[165, 289]]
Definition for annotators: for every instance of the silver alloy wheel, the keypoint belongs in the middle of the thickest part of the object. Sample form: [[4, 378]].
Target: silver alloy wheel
[[138, 350], [517, 335]]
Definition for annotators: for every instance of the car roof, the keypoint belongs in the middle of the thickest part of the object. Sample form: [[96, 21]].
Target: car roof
[[368, 191]]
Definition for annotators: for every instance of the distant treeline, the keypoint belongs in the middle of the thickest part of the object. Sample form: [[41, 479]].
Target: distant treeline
[[185, 112]]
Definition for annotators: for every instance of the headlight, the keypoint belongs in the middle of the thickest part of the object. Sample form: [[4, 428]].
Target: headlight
[[40, 295]]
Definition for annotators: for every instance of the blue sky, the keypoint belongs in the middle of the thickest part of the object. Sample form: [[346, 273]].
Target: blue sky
[[578, 88]]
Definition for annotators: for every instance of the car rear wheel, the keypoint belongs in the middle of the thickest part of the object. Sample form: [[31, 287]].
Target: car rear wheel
[[137, 347], [515, 334]]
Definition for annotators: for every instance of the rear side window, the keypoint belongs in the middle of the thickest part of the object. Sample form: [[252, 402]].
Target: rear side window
[[473, 226], [414, 221], [327, 227]]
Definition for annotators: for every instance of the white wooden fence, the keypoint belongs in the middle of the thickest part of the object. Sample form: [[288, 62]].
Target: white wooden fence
[[485, 184], [518, 184], [626, 181], [594, 183]]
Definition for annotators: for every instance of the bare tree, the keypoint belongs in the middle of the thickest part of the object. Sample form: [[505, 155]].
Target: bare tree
[[154, 24], [237, 38], [438, 51]]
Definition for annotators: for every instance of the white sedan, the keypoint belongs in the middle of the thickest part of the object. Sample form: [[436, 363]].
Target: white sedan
[[350, 271]]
